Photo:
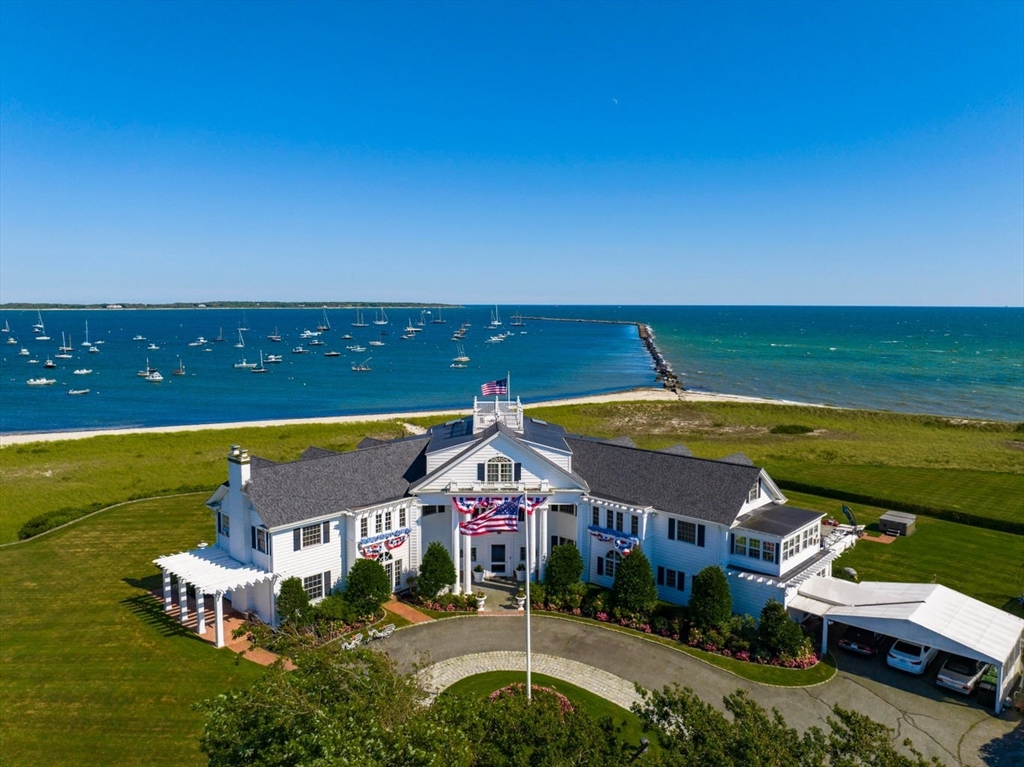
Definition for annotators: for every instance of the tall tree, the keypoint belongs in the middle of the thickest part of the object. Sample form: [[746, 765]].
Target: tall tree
[[367, 587], [293, 602], [710, 599], [436, 571], [564, 568], [633, 589]]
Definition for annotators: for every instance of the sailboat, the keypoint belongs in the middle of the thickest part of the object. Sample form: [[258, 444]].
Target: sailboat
[[438, 320], [359, 320], [461, 360], [245, 322], [241, 341], [382, 318], [495, 318], [147, 372], [423, 321], [275, 336], [6, 328], [379, 341], [65, 345], [326, 324], [220, 336], [86, 341], [39, 327], [517, 320], [260, 368]]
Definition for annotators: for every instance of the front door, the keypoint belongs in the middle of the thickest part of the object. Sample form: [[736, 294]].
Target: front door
[[498, 558]]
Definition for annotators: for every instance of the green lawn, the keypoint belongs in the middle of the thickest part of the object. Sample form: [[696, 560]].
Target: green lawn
[[479, 686], [91, 670]]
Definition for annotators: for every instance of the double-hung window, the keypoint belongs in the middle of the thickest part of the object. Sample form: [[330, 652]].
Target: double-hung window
[[262, 540], [312, 536], [499, 471], [364, 527], [314, 585], [224, 524]]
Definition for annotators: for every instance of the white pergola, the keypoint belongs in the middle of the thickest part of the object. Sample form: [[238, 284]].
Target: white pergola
[[210, 571], [924, 613]]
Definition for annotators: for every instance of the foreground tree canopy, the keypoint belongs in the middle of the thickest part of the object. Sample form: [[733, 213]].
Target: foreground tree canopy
[[354, 708]]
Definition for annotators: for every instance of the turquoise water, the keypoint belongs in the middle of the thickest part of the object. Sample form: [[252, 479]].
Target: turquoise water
[[958, 362]]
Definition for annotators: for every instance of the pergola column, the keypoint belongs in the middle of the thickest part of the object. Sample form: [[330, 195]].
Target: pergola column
[[531, 541], [218, 617], [168, 593], [455, 546], [545, 542], [467, 563], [200, 611], [182, 600]]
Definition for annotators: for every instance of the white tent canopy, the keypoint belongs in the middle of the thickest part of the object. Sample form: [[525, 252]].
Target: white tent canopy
[[923, 613]]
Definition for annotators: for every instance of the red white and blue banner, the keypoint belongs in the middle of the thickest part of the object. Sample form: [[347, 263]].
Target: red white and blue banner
[[374, 546], [621, 543], [493, 514]]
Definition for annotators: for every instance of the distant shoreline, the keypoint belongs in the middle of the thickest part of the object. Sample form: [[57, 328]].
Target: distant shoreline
[[633, 395]]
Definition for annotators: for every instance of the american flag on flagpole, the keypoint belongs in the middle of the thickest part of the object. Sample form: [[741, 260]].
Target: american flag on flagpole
[[492, 388], [502, 518]]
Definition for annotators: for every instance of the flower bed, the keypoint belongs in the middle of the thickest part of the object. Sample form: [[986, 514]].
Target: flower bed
[[519, 688]]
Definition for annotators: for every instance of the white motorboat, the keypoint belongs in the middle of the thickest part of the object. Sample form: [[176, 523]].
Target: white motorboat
[[41, 381], [83, 371], [12, 340], [273, 359], [244, 364], [153, 347], [24, 352], [155, 377], [300, 350], [74, 392], [49, 364], [94, 349], [356, 348]]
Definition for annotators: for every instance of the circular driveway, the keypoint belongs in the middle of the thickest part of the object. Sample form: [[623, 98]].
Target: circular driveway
[[954, 729]]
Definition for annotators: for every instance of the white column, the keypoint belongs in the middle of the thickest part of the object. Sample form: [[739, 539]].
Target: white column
[[168, 593], [455, 547], [824, 637], [182, 600], [218, 617], [274, 620], [467, 562], [648, 550], [200, 611], [531, 546], [545, 541]]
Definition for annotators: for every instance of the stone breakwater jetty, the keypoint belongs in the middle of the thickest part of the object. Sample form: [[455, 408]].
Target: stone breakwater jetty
[[662, 368]]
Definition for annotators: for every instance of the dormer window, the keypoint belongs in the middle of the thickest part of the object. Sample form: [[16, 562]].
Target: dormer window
[[755, 492], [499, 470]]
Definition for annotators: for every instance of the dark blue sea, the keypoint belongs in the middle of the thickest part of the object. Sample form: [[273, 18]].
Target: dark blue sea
[[964, 362]]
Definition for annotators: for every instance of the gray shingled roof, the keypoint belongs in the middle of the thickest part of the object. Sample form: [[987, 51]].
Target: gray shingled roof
[[695, 487], [317, 452], [776, 519], [288, 493]]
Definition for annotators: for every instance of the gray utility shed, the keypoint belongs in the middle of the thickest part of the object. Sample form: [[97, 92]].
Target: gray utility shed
[[897, 523]]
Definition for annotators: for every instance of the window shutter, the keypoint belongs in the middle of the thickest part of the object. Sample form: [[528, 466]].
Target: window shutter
[[661, 575], [479, 472], [600, 566], [327, 532], [681, 581], [327, 583], [297, 538], [672, 529], [517, 470], [253, 529], [700, 535]]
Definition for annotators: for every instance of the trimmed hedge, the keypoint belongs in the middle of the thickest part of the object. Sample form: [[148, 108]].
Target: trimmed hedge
[[791, 428], [53, 519], [949, 515]]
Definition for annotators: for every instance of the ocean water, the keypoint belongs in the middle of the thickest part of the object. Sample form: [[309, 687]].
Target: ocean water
[[957, 362]]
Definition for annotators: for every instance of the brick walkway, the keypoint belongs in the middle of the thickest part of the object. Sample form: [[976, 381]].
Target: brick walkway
[[408, 612]]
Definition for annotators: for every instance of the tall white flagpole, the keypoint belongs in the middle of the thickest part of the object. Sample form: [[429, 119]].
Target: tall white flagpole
[[529, 573]]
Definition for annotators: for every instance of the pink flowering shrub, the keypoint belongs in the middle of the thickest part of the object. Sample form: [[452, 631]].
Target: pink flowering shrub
[[518, 688]]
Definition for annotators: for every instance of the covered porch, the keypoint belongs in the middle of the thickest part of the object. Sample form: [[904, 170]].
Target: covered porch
[[212, 573]]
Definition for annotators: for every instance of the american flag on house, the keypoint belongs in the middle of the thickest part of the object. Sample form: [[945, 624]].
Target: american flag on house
[[500, 518], [492, 388]]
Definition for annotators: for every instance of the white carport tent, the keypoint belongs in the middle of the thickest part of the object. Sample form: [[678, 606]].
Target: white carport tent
[[210, 571], [923, 613]]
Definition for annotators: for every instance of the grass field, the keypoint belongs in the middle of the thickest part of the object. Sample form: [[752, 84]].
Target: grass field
[[91, 670], [479, 686]]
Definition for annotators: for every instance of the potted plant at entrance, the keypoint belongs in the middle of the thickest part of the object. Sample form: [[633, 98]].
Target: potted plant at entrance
[[480, 599], [478, 574], [521, 572], [520, 600]]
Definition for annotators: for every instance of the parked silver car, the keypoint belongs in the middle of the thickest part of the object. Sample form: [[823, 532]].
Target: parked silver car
[[961, 674]]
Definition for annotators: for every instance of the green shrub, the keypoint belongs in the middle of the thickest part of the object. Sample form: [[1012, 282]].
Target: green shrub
[[436, 571], [564, 568], [335, 608], [711, 600], [293, 602], [367, 587], [791, 428], [777, 633], [633, 589]]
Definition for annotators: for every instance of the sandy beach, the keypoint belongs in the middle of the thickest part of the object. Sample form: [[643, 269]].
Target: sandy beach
[[634, 395]]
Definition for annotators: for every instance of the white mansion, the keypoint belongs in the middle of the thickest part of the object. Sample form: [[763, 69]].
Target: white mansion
[[312, 518]]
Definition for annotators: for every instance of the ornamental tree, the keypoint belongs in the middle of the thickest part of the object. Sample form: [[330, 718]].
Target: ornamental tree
[[564, 568], [293, 602], [633, 589], [777, 633], [367, 587], [710, 600], [436, 571]]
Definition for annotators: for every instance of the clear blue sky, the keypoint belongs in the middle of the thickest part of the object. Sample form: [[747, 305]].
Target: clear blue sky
[[672, 153]]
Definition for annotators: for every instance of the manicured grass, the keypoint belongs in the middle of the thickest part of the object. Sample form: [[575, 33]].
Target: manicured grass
[[984, 564], [88, 474], [479, 686], [92, 671]]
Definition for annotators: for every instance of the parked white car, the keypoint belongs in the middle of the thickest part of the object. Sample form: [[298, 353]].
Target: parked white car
[[960, 674], [910, 657]]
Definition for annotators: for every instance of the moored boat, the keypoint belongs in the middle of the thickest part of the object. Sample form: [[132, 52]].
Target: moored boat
[[75, 392], [41, 381]]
